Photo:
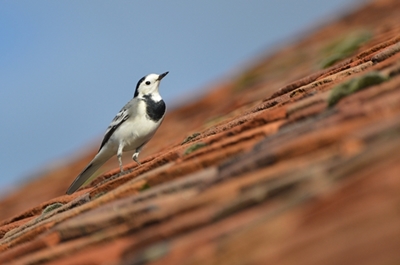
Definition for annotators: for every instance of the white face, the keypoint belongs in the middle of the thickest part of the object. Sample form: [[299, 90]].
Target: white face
[[149, 85]]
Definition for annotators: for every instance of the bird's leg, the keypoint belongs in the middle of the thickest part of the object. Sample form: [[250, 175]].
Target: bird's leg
[[119, 155], [136, 156]]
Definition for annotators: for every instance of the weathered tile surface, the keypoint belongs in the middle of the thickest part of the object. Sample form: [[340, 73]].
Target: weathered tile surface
[[294, 161]]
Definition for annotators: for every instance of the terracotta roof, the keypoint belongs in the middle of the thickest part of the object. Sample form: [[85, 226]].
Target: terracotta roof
[[294, 161]]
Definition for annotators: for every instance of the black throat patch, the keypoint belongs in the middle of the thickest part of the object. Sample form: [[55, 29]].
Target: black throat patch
[[154, 110]]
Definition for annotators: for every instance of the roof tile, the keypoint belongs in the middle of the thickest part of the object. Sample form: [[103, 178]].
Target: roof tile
[[272, 170]]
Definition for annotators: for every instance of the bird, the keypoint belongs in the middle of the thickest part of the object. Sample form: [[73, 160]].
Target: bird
[[132, 128]]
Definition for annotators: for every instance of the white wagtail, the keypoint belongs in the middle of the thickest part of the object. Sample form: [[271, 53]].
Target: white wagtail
[[131, 128]]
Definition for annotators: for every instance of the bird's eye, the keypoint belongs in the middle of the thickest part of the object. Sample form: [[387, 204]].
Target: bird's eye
[[147, 82]]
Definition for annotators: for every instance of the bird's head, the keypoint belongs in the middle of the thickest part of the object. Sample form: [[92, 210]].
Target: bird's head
[[148, 84]]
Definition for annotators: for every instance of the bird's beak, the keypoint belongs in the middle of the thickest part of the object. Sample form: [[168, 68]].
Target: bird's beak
[[162, 76]]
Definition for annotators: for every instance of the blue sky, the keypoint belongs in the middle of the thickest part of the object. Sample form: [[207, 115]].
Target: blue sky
[[67, 67]]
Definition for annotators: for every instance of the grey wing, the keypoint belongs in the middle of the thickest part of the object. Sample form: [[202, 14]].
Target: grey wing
[[121, 116]]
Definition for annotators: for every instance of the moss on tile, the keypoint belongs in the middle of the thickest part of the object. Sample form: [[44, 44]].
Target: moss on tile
[[246, 80], [347, 88], [297, 92], [145, 186], [51, 207], [190, 138], [194, 147], [152, 253], [98, 195], [344, 48], [214, 121]]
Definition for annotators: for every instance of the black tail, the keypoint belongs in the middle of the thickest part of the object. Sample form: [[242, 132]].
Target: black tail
[[90, 169]]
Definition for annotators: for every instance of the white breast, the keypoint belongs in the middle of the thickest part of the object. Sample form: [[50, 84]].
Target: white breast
[[137, 130]]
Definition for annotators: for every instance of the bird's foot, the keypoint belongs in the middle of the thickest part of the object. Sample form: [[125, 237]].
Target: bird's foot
[[135, 158]]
